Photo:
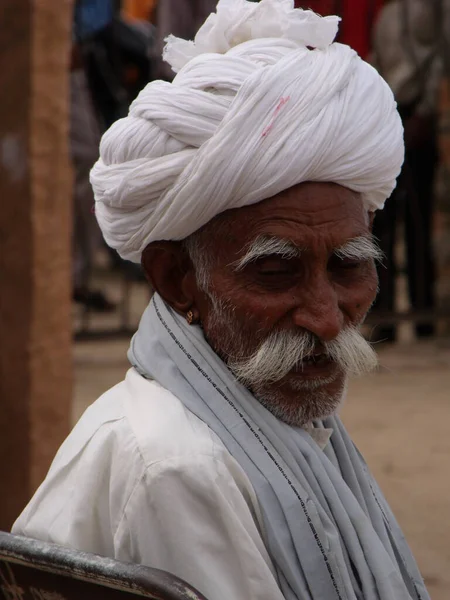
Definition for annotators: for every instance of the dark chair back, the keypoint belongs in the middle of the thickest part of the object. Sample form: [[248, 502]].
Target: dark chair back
[[35, 570]]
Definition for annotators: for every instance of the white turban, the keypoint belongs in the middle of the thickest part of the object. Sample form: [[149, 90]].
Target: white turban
[[263, 100]]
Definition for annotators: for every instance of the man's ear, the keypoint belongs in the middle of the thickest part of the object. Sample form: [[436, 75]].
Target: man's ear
[[371, 219], [170, 272]]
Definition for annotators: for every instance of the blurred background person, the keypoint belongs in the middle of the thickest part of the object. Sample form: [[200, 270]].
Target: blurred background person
[[111, 63], [91, 17], [406, 53], [358, 17], [182, 18], [136, 40]]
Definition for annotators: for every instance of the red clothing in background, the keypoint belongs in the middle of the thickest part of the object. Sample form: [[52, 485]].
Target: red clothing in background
[[358, 19]]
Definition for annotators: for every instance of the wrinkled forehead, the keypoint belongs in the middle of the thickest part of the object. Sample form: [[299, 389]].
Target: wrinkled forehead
[[304, 214]]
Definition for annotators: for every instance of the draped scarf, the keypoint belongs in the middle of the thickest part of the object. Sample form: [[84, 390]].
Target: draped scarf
[[328, 528]]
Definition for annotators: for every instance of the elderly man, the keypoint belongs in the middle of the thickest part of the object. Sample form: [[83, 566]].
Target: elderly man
[[247, 188]]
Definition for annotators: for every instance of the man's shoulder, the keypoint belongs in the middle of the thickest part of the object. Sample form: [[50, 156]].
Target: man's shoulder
[[135, 434], [162, 426], [140, 416], [135, 429]]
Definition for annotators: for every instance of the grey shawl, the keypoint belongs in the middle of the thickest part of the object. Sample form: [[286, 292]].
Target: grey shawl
[[328, 528]]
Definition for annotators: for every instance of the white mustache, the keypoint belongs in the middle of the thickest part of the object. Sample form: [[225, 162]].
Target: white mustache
[[282, 351]]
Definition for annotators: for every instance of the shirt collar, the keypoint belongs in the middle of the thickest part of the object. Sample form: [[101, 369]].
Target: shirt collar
[[320, 435]]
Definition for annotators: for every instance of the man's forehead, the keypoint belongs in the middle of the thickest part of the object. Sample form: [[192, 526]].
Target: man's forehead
[[316, 206], [306, 215], [312, 201]]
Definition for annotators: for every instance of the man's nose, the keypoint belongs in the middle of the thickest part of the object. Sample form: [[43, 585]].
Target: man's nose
[[318, 310]]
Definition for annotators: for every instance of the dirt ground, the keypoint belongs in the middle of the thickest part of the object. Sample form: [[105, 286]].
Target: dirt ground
[[400, 420]]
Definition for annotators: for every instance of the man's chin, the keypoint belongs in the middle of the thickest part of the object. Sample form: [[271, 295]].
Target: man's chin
[[298, 401]]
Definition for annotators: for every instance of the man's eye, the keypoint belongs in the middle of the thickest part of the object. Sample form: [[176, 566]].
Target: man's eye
[[346, 263], [271, 267]]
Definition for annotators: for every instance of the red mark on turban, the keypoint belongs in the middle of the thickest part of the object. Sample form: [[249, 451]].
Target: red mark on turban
[[280, 105]]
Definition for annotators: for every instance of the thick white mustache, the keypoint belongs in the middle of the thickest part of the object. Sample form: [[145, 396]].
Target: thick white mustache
[[283, 350]]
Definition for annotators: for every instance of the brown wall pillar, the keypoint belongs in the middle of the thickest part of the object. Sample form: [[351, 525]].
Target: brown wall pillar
[[35, 245]]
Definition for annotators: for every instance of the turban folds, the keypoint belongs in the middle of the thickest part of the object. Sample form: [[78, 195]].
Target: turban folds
[[262, 100]]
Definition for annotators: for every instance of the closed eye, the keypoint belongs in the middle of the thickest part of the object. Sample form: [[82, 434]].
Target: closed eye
[[349, 263], [273, 265]]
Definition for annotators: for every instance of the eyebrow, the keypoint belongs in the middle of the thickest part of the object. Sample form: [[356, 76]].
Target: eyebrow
[[265, 245], [363, 247]]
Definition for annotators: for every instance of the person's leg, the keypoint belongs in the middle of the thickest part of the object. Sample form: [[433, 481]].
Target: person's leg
[[81, 254], [384, 230], [418, 223]]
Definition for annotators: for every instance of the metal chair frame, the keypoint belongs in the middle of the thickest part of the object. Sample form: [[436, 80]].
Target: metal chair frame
[[36, 570]]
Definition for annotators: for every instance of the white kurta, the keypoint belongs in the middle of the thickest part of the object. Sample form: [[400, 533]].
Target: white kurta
[[141, 479]]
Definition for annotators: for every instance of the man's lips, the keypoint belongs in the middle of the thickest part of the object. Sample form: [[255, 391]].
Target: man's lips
[[318, 365]]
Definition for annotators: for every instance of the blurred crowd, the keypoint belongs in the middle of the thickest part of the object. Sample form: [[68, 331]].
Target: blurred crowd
[[117, 47]]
